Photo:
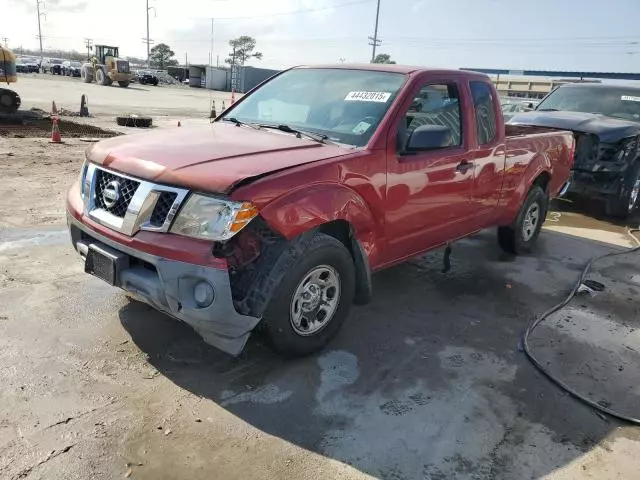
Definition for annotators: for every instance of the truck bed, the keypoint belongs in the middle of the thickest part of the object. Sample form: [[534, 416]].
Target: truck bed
[[525, 142]]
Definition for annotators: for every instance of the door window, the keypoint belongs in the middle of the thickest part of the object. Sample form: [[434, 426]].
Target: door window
[[434, 105]]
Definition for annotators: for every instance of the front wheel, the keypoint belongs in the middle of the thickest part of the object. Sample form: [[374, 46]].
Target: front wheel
[[313, 298], [520, 237], [624, 203], [124, 84]]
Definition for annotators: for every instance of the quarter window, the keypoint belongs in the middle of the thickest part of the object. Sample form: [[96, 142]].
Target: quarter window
[[485, 114]]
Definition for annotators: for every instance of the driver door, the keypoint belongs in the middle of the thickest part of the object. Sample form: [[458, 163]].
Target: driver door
[[429, 191]]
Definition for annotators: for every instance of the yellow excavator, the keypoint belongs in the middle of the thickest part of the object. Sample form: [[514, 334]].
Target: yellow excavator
[[9, 100]]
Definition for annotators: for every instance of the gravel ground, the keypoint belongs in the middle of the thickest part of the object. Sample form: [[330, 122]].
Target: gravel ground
[[425, 382]]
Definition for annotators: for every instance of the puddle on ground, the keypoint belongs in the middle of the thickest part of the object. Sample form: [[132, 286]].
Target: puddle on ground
[[15, 239]]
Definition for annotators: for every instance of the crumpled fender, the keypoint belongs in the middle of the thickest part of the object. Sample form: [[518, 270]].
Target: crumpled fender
[[307, 208], [539, 164]]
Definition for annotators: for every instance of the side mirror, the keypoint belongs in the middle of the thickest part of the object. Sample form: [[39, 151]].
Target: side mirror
[[429, 137]]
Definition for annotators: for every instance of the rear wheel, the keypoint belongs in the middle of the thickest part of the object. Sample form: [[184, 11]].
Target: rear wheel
[[520, 237], [313, 298], [626, 201], [86, 74], [124, 83]]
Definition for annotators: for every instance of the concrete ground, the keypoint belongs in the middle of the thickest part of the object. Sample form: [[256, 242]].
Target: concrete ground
[[166, 104], [425, 382]]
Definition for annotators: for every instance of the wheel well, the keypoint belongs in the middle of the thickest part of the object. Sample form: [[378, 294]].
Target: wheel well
[[543, 180], [338, 229], [341, 230]]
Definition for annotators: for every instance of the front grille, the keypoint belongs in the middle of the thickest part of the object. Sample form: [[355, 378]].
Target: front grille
[[162, 208], [122, 66], [125, 188]]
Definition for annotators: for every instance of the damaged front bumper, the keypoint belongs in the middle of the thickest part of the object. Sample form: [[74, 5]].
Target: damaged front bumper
[[594, 185], [198, 295]]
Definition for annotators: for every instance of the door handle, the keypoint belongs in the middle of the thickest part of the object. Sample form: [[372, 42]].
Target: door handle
[[464, 166]]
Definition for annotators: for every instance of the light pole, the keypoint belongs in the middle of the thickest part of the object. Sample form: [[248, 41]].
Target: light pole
[[38, 2], [374, 40], [148, 41]]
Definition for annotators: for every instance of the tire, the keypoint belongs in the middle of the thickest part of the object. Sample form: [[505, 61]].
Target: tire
[[9, 101], [314, 254], [86, 74], [134, 121], [520, 237], [627, 199], [143, 81], [124, 83], [155, 83], [101, 77]]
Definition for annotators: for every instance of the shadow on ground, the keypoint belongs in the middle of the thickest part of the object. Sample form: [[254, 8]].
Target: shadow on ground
[[425, 382]]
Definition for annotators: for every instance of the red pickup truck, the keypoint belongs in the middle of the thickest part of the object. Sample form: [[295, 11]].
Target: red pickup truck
[[279, 211]]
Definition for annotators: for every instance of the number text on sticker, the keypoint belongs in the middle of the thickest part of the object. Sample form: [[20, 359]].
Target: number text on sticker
[[381, 97]]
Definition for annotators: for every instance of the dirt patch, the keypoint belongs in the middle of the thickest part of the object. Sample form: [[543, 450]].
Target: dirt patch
[[36, 175], [36, 123]]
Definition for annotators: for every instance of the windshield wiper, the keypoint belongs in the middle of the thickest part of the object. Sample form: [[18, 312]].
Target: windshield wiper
[[547, 110], [299, 133], [240, 123]]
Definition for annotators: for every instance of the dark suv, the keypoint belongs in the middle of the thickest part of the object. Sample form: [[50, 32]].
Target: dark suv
[[146, 78]]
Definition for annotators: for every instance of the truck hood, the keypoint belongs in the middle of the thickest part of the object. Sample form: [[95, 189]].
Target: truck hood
[[211, 158], [608, 129]]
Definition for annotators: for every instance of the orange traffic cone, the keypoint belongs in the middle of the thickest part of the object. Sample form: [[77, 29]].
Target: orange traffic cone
[[54, 109], [55, 132]]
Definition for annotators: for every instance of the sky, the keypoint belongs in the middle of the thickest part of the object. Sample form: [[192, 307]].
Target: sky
[[586, 35]]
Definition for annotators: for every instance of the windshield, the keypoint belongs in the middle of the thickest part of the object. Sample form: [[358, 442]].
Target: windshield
[[344, 105], [76, 64], [612, 102]]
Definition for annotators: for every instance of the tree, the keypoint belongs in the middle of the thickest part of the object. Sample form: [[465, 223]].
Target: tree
[[242, 50], [161, 56], [383, 58]]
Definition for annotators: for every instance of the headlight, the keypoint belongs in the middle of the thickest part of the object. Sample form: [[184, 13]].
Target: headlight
[[212, 218], [84, 184]]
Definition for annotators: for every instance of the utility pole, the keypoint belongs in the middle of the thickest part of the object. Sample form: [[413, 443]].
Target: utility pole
[[148, 41], [375, 42], [5, 40], [38, 2], [89, 44], [211, 48]]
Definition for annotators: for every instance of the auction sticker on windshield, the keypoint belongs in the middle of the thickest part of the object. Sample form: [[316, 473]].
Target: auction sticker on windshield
[[630, 98], [382, 97]]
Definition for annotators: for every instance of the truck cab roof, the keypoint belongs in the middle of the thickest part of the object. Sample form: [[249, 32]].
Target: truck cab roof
[[402, 69]]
